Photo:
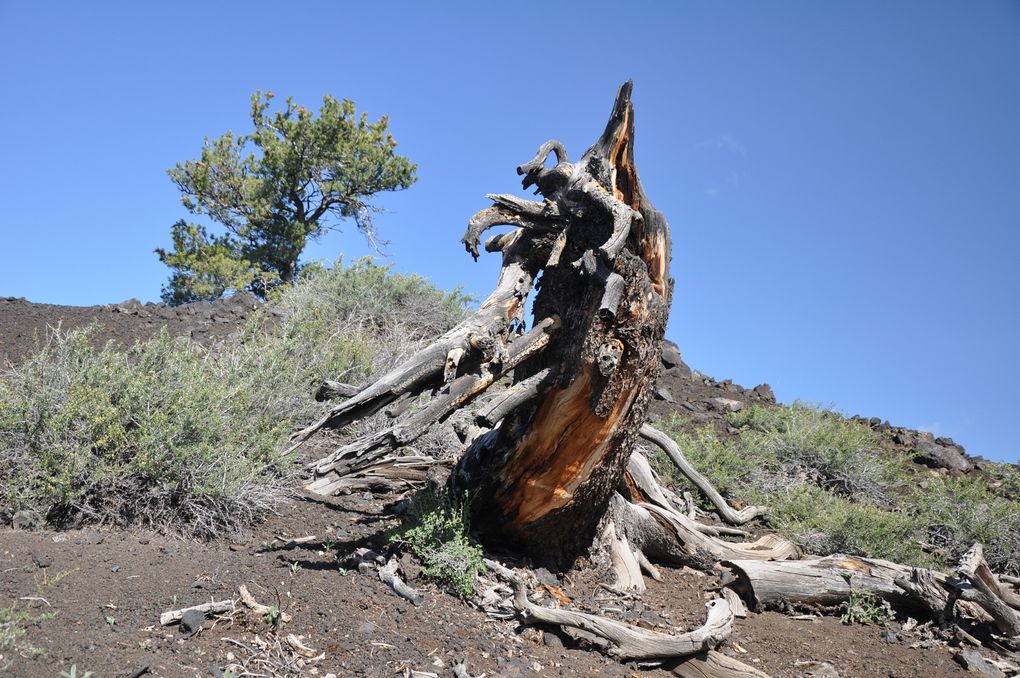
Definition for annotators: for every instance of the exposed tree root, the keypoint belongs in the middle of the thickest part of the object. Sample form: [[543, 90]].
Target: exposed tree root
[[714, 664], [627, 642], [726, 512]]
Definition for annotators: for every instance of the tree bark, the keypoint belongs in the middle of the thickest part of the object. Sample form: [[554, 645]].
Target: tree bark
[[542, 479]]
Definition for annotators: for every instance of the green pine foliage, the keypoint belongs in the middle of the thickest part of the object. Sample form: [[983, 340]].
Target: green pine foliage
[[207, 267], [293, 178]]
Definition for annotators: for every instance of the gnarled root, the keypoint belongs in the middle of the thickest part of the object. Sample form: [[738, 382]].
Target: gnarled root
[[726, 512], [627, 642]]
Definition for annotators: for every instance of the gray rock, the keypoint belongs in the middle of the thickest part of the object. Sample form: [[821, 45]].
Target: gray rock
[[546, 577], [550, 639], [41, 559], [727, 404], [29, 521], [975, 663], [820, 670], [242, 301], [191, 622], [939, 456], [670, 354], [890, 637], [662, 393], [367, 628], [765, 392], [130, 306], [93, 537]]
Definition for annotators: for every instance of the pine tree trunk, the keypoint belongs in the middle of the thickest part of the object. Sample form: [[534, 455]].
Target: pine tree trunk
[[544, 477]]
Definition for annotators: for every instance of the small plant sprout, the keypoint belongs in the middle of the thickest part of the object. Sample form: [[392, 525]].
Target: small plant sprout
[[436, 531], [863, 607], [274, 617]]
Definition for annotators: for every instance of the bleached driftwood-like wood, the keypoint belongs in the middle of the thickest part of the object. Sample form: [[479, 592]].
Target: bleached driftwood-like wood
[[713, 664], [388, 473], [460, 670], [625, 562], [332, 390], [735, 601], [973, 564], [300, 648], [258, 608], [654, 525], [627, 642], [921, 585], [726, 512], [174, 616], [388, 575], [987, 592], [823, 581], [647, 565], [365, 451]]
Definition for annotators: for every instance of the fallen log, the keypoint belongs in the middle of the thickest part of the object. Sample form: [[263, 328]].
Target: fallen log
[[824, 581]]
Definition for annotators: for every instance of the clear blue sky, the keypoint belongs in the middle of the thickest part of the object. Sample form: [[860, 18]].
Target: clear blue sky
[[842, 179]]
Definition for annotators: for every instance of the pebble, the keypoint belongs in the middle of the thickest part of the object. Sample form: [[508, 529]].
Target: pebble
[[191, 622]]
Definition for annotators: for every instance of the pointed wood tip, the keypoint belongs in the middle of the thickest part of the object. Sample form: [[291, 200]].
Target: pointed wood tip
[[620, 122]]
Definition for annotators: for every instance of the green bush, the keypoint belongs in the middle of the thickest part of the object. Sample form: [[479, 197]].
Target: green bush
[[831, 489], [823, 522], [953, 513], [14, 625], [436, 531], [178, 437], [831, 451], [864, 607]]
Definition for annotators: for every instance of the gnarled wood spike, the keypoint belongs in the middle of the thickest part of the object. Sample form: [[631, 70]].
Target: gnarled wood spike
[[367, 450], [726, 512], [482, 335], [542, 479], [504, 214], [547, 180]]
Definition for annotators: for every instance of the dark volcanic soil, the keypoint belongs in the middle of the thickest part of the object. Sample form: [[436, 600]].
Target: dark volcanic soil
[[105, 589], [24, 326]]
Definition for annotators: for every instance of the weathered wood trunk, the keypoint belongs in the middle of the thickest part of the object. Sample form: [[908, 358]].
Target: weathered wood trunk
[[543, 478]]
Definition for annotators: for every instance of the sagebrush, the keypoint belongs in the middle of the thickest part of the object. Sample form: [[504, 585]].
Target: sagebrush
[[179, 437], [435, 530], [832, 488]]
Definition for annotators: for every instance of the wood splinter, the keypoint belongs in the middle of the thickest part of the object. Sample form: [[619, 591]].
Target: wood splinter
[[174, 616], [258, 608]]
